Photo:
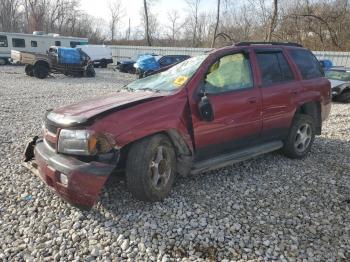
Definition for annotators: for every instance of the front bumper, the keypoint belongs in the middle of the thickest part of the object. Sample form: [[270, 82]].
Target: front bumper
[[85, 180]]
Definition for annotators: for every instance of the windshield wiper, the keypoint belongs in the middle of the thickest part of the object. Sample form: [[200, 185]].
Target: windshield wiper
[[149, 89]]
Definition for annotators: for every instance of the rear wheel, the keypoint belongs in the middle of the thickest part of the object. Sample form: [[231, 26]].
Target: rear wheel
[[151, 168], [90, 71], [103, 63], [41, 71], [29, 69], [3, 61], [301, 137], [344, 97]]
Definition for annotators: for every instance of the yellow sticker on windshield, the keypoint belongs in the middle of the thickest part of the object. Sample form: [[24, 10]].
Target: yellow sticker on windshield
[[180, 80]]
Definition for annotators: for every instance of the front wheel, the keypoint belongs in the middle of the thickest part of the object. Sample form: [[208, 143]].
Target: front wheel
[[151, 168], [301, 137]]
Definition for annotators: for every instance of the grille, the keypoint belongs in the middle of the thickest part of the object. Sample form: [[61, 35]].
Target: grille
[[50, 135]]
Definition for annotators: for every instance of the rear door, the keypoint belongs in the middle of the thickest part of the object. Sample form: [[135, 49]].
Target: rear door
[[236, 103], [279, 90]]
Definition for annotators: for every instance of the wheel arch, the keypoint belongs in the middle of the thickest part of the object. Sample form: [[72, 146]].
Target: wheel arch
[[42, 62], [184, 152], [313, 109]]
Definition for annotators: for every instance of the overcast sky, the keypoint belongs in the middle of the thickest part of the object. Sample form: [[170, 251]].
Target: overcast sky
[[99, 8]]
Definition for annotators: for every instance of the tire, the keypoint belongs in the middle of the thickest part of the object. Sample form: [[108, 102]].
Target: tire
[[300, 138], [90, 71], [41, 71], [344, 97], [151, 168], [103, 63], [3, 61], [29, 69]]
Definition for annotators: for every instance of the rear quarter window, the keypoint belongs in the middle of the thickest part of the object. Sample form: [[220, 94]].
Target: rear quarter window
[[307, 64], [3, 41]]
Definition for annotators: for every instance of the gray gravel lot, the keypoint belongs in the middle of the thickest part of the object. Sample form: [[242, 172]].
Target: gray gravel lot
[[269, 208]]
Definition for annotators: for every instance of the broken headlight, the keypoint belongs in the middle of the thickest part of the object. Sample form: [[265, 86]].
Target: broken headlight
[[84, 142]]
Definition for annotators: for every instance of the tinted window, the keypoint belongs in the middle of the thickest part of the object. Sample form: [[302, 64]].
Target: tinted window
[[34, 43], [274, 68], [3, 41], [74, 44], [18, 42], [230, 73], [307, 63], [167, 60], [57, 43]]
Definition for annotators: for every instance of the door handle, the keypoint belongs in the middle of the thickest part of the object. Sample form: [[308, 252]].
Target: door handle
[[252, 100]]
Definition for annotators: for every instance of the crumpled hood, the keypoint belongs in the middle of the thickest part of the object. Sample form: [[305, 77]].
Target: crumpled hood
[[81, 112], [335, 83]]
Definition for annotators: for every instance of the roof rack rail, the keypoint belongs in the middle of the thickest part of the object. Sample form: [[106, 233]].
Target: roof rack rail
[[269, 43]]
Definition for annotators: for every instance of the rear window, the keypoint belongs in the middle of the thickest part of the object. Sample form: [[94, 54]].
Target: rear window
[[307, 63], [57, 43], [338, 75], [34, 43], [18, 42], [3, 41], [274, 68]]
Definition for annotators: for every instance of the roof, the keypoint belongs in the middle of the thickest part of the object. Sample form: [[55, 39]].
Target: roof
[[43, 36], [340, 68]]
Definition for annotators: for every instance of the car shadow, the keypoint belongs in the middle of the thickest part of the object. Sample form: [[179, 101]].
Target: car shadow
[[270, 194]]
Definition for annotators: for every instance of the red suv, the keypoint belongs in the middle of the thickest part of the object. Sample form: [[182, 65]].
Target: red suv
[[209, 111]]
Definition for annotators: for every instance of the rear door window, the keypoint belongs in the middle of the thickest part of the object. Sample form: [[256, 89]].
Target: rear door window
[[3, 41], [274, 68], [57, 43], [34, 43], [18, 42], [307, 64]]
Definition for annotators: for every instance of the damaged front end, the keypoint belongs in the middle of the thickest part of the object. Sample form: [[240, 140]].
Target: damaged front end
[[77, 179]]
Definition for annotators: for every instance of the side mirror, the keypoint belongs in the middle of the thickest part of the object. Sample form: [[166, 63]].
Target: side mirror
[[205, 109]]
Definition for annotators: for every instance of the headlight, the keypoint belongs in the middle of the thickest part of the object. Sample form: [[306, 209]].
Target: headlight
[[84, 142]]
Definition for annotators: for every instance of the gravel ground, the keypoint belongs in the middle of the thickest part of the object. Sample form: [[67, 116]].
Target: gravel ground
[[269, 208]]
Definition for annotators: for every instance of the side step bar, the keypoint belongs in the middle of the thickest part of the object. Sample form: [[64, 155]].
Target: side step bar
[[235, 157]]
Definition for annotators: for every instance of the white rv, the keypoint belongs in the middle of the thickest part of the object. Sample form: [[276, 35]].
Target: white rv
[[36, 43]]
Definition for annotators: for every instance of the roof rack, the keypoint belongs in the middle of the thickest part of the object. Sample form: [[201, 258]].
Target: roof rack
[[269, 43]]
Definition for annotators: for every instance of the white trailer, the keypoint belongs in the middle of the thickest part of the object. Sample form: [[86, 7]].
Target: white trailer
[[100, 54], [36, 43]]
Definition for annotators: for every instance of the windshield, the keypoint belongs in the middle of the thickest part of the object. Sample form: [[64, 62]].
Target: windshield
[[338, 75], [171, 79]]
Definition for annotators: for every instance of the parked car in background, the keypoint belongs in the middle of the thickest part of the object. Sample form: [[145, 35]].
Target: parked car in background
[[147, 64], [207, 112], [101, 55], [340, 82], [38, 43], [127, 65], [326, 64], [59, 60]]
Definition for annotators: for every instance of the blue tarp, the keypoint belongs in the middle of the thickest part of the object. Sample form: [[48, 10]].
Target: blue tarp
[[68, 55], [148, 62]]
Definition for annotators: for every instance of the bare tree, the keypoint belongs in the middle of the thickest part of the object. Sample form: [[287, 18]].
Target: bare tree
[[217, 23], [273, 20], [116, 13], [147, 34], [194, 13], [174, 27]]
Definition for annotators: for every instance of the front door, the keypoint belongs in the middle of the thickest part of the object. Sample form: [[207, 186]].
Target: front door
[[236, 103]]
